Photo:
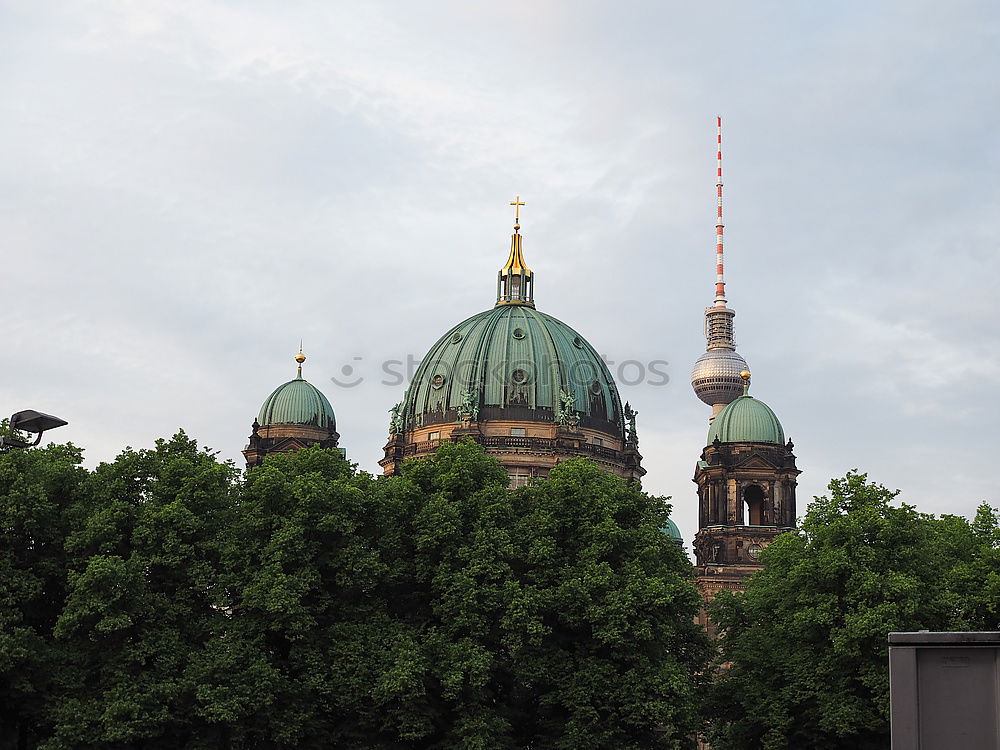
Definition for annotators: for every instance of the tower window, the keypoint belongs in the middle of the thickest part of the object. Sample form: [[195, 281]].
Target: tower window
[[753, 496], [517, 432], [434, 436], [598, 441]]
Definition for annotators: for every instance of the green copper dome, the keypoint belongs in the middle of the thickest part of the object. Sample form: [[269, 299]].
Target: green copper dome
[[514, 362], [746, 420], [297, 402], [672, 531]]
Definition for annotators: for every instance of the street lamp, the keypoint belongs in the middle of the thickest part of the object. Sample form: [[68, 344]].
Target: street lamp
[[30, 420]]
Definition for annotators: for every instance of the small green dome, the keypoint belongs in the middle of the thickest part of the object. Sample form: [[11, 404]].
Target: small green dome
[[672, 531], [297, 402], [746, 420], [514, 360]]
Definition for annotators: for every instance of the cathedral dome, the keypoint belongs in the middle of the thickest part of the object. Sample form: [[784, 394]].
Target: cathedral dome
[[297, 402], [514, 362], [525, 386], [746, 420]]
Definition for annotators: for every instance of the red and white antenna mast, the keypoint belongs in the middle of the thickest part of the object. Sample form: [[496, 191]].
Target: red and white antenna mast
[[716, 376], [720, 279]]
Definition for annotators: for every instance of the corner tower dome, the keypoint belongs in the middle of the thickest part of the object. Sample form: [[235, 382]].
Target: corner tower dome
[[673, 532], [297, 402], [294, 416], [525, 385], [746, 420]]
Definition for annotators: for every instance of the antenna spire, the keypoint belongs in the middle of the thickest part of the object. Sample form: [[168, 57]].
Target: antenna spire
[[720, 278], [716, 376]]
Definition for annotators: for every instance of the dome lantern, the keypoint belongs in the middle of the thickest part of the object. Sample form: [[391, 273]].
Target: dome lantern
[[515, 281]]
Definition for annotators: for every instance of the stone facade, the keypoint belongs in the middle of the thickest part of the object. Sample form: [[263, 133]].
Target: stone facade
[[527, 449], [281, 438], [746, 497]]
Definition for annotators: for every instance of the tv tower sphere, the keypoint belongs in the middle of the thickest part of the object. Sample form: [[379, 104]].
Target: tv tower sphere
[[716, 376]]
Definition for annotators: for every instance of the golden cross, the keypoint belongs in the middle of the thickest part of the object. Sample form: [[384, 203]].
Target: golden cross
[[517, 203]]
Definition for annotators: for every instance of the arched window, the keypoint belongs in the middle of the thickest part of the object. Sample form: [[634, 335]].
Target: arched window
[[598, 406], [753, 497]]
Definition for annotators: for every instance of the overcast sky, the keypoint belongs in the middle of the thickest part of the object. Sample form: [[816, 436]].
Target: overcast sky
[[189, 188]]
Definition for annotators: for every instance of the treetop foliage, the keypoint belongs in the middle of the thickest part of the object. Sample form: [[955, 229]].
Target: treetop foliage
[[804, 651], [164, 600]]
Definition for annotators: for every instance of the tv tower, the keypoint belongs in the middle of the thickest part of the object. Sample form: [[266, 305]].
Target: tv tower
[[716, 376]]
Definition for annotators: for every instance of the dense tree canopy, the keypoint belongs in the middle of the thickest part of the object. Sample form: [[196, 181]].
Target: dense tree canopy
[[163, 600], [804, 657], [166, 600], [143, 546], [36, 488]]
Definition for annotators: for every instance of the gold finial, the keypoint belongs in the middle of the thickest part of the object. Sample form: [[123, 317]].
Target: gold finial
[[517, 203], [746, 381], [300, 358]]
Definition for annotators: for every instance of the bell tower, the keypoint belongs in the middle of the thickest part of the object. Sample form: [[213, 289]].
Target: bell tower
[[746, 479]]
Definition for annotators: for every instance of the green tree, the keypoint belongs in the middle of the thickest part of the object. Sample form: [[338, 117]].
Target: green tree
[[438, 609], [974, 580], [160, 602], [804, 654], [37, 488], [143, 600], [296, 665], [552, 616], [604, 651]]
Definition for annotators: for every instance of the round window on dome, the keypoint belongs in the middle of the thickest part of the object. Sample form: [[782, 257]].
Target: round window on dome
[[456, 338], [578, 342], [438, 381], [518, 333], [519, 376], [595, 388]]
